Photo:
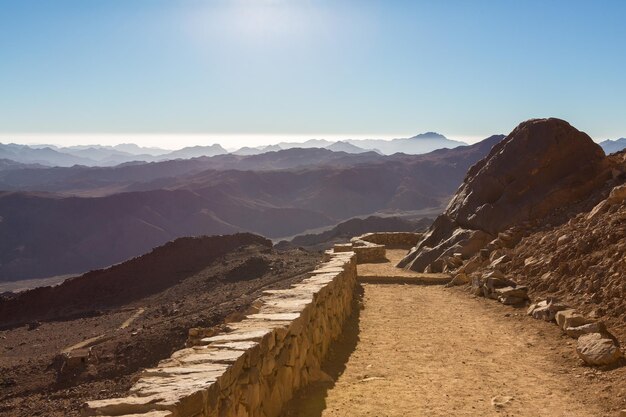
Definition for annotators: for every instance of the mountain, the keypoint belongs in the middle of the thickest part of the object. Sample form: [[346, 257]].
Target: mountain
[[106, 156], [311, 143], [44, 156], [419, 144], [612, 146], [339, 146], [343, 146], [46, 234], [194, 152], [8, 165], [541, 166], [247, 151], [98, 155], [99, 181], [134, 149]]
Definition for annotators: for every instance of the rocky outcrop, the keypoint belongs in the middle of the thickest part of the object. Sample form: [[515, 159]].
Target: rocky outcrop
[[543, 164]]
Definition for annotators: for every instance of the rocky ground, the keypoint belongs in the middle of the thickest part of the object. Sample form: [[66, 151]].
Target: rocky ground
[[135, 334]]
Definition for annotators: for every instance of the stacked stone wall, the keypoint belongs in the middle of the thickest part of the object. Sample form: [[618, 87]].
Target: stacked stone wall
[[255, 368], [392, 239]]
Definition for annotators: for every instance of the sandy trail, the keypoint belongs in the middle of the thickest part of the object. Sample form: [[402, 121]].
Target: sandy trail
[[431, 351]]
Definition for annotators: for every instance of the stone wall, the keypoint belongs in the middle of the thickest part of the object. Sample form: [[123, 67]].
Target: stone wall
[[392, 239], [255, 367], [366, 252], [371, 247]]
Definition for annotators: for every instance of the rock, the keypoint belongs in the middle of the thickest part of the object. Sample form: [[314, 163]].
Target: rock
[[534, 306], [493, 274], [562, 240], [560, 316], [477, 287], [570, 318], [600, 208], [542, 165], [546, 310], [470, 266], [596, 327], [459, 279], [622, 413], [500, 262], [492, 283], [597, 350], [520, 292], [500, 401], [617, 195], [512, 301]]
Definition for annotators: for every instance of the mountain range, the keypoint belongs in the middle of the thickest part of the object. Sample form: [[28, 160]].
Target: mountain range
[[610, 146], [98, 155], [69, 220]]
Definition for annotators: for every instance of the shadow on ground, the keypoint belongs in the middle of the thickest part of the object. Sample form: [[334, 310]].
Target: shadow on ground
[[311, 401]]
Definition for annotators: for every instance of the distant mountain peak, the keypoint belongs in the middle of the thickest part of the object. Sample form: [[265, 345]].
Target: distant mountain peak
[[611, 146], [429, 135]]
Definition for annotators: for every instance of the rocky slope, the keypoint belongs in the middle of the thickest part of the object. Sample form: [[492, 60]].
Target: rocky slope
[[132, 335], [552, 225], [150, 273], [542, 165], [579, 261]]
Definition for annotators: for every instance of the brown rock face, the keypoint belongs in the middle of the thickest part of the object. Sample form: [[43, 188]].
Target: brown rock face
[[541, 165]]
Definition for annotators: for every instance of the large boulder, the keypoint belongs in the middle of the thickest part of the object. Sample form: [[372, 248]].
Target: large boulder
[[541, 165], [595, 349]]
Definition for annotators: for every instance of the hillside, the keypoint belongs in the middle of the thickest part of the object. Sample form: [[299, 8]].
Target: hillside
[[48, 235], [132, 316]]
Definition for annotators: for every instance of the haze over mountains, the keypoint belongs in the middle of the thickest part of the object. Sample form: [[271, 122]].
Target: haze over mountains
[[70, 219], [98, 155]]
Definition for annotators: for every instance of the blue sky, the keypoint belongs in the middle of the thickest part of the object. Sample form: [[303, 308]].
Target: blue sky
[[300, 68]]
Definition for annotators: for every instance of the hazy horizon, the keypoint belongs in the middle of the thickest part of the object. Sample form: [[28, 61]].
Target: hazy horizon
[[164, 141], [298, 68]]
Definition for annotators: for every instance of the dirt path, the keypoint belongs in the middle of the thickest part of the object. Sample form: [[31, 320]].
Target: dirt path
[[431, 351], [386, 272]]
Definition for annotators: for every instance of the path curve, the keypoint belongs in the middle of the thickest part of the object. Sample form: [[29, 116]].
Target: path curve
[[433, 351]]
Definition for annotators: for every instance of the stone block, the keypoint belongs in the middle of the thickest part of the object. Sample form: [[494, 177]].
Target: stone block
[[571, 318]]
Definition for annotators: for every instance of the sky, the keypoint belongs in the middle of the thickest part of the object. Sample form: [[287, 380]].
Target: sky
[[246, 72]]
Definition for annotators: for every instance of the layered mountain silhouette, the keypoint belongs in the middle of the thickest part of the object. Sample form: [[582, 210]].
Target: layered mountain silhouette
[[121, 212], [612, 146], [98, 155], [43, 156]]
